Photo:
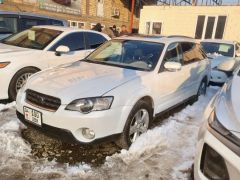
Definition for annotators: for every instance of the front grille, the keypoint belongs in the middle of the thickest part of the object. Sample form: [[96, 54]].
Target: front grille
[[42, 101]]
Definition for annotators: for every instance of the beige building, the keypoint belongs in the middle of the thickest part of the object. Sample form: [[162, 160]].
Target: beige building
[[201, 22]]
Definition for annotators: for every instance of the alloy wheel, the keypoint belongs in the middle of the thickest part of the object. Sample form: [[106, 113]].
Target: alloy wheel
[[139, 124], [21, 81]]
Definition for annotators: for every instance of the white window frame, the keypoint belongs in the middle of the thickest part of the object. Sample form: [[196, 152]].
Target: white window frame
[[100, 15], [151, 27], [214, 26], [77, 22]]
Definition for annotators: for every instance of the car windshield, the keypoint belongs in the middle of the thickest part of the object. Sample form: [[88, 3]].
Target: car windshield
[[33, 38], [131, 54], [218, 48]]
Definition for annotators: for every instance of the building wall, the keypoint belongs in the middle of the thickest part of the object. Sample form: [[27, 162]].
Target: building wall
[[88, 9], [182, 20]]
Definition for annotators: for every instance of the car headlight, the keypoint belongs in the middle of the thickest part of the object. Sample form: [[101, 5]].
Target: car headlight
[[87, 105], [216, 125], [220, 129], [4, 64]]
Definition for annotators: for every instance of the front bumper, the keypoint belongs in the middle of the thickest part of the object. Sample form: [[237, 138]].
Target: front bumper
[[5, 78], [105, 124], [63, 134], [232, 160]]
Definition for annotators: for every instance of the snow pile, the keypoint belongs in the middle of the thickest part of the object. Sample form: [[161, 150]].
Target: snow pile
[[165, 152], [7, 106]]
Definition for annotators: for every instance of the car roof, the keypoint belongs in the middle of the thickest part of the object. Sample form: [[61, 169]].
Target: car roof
[[218, 41], [29, 14], [165, 40], [69, 29]]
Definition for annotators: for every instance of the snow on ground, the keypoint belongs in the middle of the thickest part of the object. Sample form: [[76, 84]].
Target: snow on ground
[[164, 152]]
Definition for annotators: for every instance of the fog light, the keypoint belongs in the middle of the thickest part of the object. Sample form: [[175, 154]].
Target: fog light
[[213, 165], [88, 133]]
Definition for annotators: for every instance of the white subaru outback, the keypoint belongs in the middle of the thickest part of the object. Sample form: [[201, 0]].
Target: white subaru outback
[[115, 92]]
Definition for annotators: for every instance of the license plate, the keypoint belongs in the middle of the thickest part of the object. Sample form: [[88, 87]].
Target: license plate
[[33, 116]]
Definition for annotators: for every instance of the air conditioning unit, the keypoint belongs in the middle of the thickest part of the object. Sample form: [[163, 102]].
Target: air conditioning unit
[[115, 12]]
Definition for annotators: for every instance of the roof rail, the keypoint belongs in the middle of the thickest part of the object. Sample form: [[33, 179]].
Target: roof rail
[[179, 36]]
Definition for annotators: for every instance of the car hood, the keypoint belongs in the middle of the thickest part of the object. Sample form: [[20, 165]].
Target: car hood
[[228, 107], [12, 51], [217, 59], [80, 79]]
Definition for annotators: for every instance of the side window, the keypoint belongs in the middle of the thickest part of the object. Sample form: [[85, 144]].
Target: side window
[[191, 52], [56, 22], [75, 42], [94, 40], [173, 53], [27, 23], [8, 24]]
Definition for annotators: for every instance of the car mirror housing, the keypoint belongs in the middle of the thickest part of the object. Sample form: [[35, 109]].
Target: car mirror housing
[[172, 66], [226, 66], [237, 54], [62, 50]]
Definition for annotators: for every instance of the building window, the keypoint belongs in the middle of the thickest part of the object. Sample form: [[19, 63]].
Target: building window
[[156, 28], [148, 24], [199, 27], [209, 27], [77, 24], [100, 8], [220, 27], [153, 28]]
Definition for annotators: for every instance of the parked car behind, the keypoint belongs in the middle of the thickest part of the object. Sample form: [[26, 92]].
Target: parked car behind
[[14, 22], [41, 47], [116, 91], [218, 147], [219, 51]]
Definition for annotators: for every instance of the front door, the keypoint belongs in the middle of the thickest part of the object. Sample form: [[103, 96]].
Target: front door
[[168, 84], [75, 42]]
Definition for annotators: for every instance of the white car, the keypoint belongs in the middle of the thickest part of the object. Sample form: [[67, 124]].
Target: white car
[[116, 91], [218, 147], [218, 51], [39, 48]]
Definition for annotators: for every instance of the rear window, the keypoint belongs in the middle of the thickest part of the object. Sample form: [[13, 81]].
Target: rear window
[[8, 25]]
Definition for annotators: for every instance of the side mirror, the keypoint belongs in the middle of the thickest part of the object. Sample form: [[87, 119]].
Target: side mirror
[[173, 66], [226, 66], [62, 50], [237, 54]]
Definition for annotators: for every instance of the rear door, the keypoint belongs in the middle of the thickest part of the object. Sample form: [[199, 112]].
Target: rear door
[[195, 65], [75, 42]]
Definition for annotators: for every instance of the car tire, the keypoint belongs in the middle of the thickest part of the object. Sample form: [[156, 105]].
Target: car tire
[[202, 90], [141, 108], [18, 80]]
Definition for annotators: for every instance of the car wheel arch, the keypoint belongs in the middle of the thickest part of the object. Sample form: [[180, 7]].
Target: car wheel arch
[[19, 70]]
